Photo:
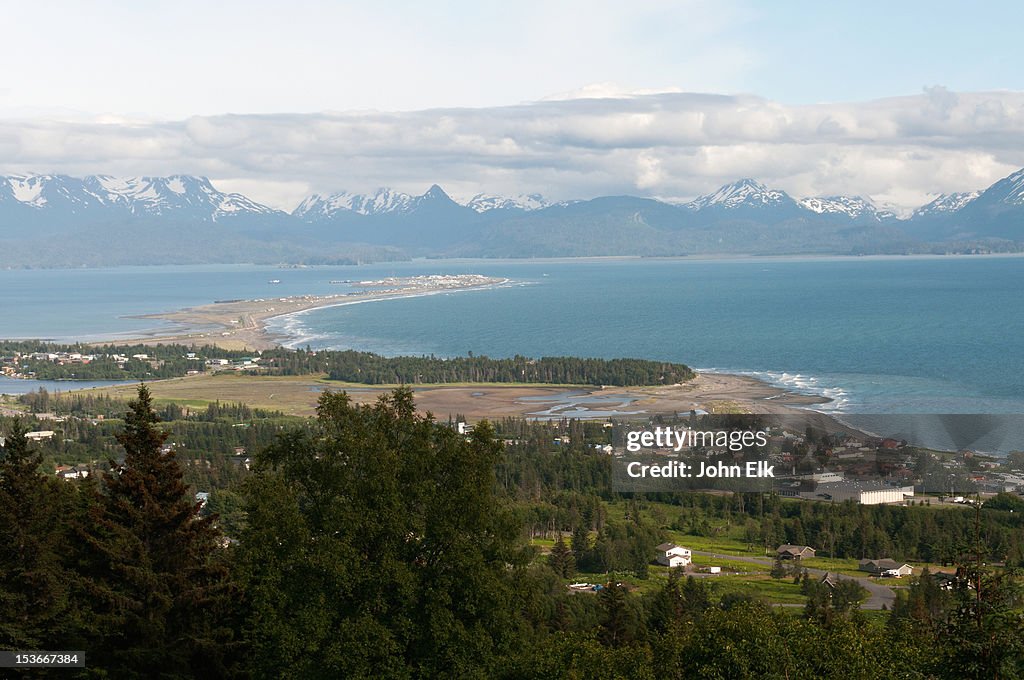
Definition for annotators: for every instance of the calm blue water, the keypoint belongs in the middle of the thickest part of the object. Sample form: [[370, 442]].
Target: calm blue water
[[887, 335], [12, 386]]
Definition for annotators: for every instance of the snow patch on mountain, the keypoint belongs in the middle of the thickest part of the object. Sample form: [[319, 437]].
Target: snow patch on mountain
[[743, 192], [27, 189], [483, 202], [133, 195], [947, 203], [384, 200], [1009, 190], [851, 206]]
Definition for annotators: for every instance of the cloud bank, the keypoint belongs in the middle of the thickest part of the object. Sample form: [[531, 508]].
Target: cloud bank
[[897, 151]]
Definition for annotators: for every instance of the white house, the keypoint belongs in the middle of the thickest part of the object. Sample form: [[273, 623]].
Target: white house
[[672, 555], [886, 567]]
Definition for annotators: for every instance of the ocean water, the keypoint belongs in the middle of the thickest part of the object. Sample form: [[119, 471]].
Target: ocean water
[[13, 386], [875, 335]]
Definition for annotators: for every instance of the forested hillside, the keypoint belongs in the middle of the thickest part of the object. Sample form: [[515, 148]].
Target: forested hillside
[[374, 542]]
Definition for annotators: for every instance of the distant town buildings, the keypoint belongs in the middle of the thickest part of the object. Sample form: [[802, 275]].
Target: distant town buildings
[[867, 492]]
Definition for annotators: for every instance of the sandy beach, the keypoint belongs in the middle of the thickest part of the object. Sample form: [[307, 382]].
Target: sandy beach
[[241, 324]]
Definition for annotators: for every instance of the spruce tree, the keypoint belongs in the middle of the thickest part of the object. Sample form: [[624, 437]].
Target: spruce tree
[[153, 569], [580, 543], [34, 605], [561, 558]]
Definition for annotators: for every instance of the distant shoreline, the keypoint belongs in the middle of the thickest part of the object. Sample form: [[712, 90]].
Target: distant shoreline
[[242, 324], [696, 257]]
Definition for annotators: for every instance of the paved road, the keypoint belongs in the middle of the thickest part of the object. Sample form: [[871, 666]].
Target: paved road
[[878, 594]]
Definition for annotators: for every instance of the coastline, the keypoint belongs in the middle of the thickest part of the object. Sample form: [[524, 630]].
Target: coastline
[[242, 324]]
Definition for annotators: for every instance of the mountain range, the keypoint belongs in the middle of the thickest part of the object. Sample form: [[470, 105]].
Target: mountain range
[[57, 220]]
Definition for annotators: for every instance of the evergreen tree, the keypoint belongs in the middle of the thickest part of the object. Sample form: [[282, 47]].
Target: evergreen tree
[[36, 611], [618, 620], [154, 571], [580, 543], [561, 559]]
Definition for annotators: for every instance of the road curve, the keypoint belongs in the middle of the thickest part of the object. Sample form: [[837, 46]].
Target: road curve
[[878, 595]]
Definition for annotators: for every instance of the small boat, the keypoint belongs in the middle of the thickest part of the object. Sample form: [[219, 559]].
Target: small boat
[[274, 281]]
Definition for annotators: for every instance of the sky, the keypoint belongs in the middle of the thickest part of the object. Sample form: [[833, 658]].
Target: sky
[[568, 99]]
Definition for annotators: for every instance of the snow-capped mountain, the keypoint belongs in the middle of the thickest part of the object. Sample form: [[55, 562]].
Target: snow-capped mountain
[[103, 196], [746, 192], [27, 190], [99, 219], [998, 212], [166, 195], [46, 193], [947, 203], [1008, 191], [483, 202], [389, 217], [382, 201], [851, 206]]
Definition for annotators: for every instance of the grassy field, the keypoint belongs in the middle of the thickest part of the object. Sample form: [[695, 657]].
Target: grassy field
[[297, 395], [728, 565], [292, 395], [760, 586], [846, 566], [777, 591], [720, 545]]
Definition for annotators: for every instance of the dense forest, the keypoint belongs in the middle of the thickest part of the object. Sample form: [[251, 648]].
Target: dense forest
[[375, 542], [119, 362], [364, 367]]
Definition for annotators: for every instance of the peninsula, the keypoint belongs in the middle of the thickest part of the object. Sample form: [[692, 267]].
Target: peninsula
[[241, 324]]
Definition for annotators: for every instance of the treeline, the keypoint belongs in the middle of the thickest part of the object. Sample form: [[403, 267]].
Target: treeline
[[84, 404], [105, 368], [158, 351], [163, 361], [373, 369], [168, 361]]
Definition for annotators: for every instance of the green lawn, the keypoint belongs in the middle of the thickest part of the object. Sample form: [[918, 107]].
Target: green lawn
[[545, 544], [837, 565], [728, 565], [721, 545], [777, 591]]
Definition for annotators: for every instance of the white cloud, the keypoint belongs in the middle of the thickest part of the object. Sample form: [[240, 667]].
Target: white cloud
[[899, 150], [608, 91]]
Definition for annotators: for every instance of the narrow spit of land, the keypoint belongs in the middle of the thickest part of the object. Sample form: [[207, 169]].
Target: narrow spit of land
[[241, 324]]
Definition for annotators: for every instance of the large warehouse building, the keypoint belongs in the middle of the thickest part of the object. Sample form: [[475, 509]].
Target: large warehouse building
[[865, 493]]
